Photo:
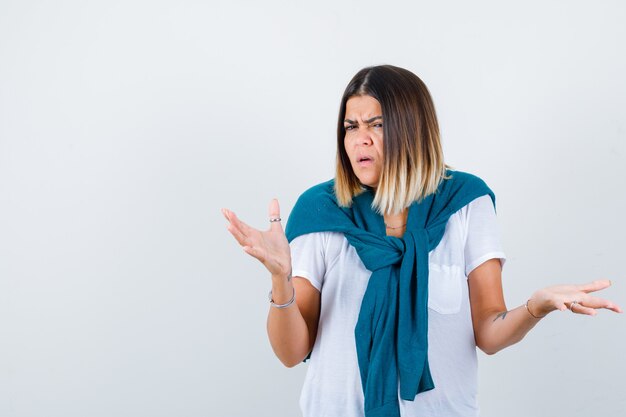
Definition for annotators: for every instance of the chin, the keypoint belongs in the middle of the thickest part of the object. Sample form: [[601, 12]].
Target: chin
[[368, 181], [370, 184]]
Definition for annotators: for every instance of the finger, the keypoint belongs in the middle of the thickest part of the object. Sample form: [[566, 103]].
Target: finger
[[229, 215], [581, 309], [225, 213], [239, 224], [597, 302], [274, 213], [239, 237], [614, 307], [594, 286], [255, 252], [561, 306], [234, 226]]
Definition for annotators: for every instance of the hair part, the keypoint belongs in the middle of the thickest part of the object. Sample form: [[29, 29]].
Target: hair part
[[413, 164]]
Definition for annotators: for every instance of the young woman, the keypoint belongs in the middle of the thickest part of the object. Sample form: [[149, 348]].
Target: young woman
[[389, 275]]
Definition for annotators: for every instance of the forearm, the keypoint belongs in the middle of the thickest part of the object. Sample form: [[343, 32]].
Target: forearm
[[292, 329], [499, 330], [286, 327]]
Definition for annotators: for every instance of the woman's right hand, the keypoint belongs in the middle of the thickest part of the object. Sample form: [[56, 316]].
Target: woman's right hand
[[270, 247], [292, 330]]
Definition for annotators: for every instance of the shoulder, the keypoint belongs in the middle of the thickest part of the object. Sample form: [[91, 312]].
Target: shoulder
[[317, 199], [315, 210], [319, 191], [465, 185], [319, 240], [477, 210], [460, 178]]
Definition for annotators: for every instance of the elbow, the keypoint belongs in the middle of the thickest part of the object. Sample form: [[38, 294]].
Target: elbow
[[289, 363], [489, 348], [489, 351], [290, 356]]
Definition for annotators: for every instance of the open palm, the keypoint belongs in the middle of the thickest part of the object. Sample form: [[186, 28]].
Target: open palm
[[270, 246], [577, 298]]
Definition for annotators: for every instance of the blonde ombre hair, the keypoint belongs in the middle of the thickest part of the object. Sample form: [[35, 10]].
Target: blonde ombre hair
[[413, 164]]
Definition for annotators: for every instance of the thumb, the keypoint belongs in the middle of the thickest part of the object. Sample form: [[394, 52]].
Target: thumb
[[274, 213]]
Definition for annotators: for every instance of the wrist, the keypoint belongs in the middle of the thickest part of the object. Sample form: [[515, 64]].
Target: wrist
[[280, 304], [532, 310], [541, 303], [282, 288], [281, 278]]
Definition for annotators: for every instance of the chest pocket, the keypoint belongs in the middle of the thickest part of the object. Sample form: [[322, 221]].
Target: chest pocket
[[444, 288]]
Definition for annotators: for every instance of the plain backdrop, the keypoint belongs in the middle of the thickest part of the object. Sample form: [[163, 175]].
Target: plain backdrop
[[126, 125]]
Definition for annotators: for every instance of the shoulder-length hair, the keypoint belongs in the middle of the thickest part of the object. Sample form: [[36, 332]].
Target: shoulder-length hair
[[413, 164]]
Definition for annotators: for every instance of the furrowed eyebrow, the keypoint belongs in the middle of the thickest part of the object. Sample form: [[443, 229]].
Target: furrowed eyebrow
[[352, 122], [373, 119]]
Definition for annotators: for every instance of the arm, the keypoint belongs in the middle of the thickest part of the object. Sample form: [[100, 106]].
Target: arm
[[496, 328], [291, 330]]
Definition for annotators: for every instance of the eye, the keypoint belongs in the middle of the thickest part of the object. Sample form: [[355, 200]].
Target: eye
[[379, 125], [349, 127]]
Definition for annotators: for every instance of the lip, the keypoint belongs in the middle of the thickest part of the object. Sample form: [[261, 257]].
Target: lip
[[364, 160]]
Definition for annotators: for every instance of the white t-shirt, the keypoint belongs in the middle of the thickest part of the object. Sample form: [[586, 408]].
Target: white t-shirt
[[332, 387]]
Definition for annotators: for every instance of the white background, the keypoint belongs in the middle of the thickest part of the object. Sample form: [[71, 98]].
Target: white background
[[126, 125]]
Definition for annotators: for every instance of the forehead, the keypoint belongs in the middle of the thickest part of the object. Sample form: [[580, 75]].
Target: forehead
[[362, 107]]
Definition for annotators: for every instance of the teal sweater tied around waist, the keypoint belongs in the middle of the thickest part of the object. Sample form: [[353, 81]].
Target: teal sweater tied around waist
[[391, 333]]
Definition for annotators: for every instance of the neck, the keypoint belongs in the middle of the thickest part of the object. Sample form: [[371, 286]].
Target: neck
[[395, 224]]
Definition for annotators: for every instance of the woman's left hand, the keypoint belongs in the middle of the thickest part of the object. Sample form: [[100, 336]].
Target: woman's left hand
[[577, 298]]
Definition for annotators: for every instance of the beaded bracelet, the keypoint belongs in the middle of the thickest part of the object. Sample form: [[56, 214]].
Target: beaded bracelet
[[287, 304]]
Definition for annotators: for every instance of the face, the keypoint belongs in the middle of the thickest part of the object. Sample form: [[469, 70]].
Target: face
[[364, 138]]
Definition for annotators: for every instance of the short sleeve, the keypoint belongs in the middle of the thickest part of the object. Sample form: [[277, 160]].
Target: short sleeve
[[307, 258], [482, 241]]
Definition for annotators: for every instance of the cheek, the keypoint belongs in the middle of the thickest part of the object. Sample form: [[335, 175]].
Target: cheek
[[346, 151], [380, 146]]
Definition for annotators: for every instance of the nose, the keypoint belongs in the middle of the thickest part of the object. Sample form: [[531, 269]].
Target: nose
[[363, 137]]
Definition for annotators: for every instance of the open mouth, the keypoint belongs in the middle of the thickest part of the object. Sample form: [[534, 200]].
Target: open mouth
[[364, 159]]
